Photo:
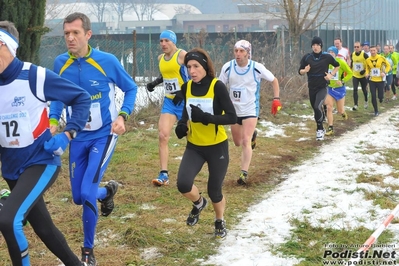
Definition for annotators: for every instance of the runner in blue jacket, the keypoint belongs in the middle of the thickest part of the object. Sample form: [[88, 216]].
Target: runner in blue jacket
[[30, 156], [91, 150]]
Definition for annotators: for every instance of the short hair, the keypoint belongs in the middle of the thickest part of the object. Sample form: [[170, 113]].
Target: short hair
[[211, 68], [86, 24], [338, 38], [10, 28]]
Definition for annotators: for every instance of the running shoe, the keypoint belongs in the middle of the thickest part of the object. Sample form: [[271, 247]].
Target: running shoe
[[253, 140], [354, 108], [220, 228], [320, 134], [376, 114], [4, 193], [242, 180], [107, 204], [162, 180], [394, 97], [88, 257], [193, 216], [345, 116], [329, 132], [366, 105]]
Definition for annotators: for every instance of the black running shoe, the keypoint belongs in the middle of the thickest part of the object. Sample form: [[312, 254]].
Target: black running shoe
[[220, 228], [193, 216], [253, 140], [88, 257], [242, 180], [107, 204]]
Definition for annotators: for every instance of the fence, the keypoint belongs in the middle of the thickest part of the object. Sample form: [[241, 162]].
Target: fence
[[139, 52]]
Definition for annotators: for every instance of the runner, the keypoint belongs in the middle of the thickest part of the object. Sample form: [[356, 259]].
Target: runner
[[316, 66], [337, 90], [173, 75], [358, 66], [243, 77]]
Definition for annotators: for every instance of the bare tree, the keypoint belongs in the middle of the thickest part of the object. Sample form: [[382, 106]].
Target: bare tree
[[184, 9], [300, 15], [145, 9], [121, 6], [97, 8]]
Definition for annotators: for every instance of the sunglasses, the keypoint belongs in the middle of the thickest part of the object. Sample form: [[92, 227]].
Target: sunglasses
[[357, 46]]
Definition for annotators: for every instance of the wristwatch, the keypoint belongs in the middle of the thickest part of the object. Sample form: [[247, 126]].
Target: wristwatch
[[72, 133], [124, 115]]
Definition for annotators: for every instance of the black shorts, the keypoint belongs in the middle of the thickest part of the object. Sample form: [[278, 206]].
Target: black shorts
[[240, 119]]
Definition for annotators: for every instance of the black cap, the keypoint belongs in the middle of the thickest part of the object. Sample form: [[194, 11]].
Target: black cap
[[317, 40]]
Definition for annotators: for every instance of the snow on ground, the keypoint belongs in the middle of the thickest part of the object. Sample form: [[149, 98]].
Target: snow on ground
[[321, 183]]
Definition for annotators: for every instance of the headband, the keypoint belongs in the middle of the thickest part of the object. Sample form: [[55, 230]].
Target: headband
[[10, 41], [199, 57]]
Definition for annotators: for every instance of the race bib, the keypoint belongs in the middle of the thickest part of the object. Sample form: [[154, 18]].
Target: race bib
[[95, 119], [375, 72], [238, 95], [358, 67], [205, 104], [335, 77], [171, 86], [16, 130]]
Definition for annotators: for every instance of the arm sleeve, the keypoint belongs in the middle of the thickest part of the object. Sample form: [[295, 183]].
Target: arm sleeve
[[302, 64], [264, 72], [229, 116], [57, 89], [122, 79], [347, 70], [184, 117], [224, 73]]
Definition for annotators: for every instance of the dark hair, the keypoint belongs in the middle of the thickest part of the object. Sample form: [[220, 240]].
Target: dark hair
[[10, 28], [338, 38], [86, 24], [211, 69]]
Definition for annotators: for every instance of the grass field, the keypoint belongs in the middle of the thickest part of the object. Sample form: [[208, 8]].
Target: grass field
[[147, 226]]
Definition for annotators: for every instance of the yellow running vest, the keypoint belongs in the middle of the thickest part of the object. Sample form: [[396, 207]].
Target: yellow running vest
[[199, 134], [171, 73]]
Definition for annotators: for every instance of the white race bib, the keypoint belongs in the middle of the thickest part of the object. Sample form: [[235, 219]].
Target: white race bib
[[358, 67], [335, 77], [16, 130], [95, 119], [171, 86], [238, 95], [375, 72]]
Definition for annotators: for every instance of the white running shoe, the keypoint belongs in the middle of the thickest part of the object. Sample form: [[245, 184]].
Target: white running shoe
[[320, 134], [366, 105], [354, 108], [394, 97]]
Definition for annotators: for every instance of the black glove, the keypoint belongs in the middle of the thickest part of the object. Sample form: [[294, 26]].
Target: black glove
[[177, 100], [181, 130], [362, 72], [197, 115], [152, 85]]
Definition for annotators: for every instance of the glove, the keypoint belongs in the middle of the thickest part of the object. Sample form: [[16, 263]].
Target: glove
[[276, 106], [362, 72], [181, 130], [57, 144], [151, 86], [178, 99], [197, 115]]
